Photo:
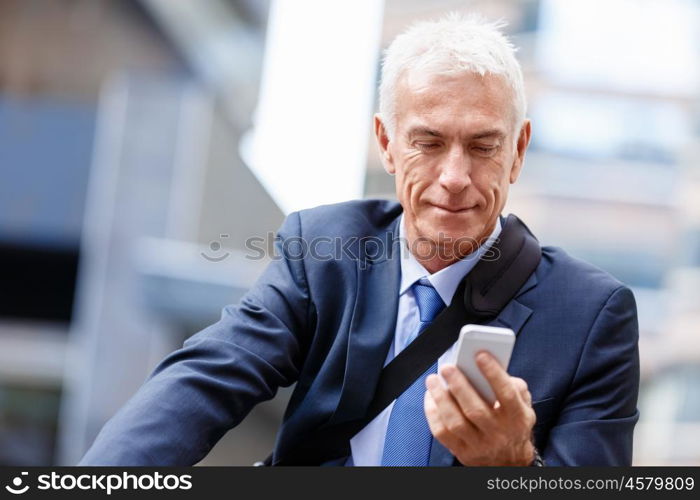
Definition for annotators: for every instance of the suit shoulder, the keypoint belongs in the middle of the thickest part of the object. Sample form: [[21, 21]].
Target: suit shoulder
[[571, 293], [356, 218], [576, 275]]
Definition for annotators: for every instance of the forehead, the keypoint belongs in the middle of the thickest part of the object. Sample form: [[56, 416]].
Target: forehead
[[464, 103]]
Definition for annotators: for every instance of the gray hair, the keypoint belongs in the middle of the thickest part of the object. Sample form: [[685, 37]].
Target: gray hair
[[452, 45]]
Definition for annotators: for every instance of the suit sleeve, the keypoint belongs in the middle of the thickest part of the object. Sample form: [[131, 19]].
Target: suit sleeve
[[597, 419], [208, 386]]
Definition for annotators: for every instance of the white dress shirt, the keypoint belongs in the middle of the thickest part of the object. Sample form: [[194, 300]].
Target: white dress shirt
[[367, 446]]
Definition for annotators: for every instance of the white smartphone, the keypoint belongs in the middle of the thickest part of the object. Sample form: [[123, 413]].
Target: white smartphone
[[474, 338]]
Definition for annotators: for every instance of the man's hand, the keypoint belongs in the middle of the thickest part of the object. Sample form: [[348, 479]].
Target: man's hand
[[473, 431]]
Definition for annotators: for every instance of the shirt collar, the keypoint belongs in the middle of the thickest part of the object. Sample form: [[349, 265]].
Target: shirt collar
[[446, 280]]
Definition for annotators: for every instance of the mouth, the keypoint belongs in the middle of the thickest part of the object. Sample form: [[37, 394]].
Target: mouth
[[453, 210]]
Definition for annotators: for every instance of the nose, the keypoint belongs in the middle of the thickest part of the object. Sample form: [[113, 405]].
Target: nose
[[455, 172]]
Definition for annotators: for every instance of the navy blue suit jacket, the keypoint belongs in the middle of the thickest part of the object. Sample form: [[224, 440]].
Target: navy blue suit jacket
[[327, 324]]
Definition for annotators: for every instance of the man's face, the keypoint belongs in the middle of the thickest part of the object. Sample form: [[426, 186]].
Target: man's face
[[454, 154]]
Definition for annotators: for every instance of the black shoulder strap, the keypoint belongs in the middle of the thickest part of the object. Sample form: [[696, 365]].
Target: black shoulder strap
[[480, 297]]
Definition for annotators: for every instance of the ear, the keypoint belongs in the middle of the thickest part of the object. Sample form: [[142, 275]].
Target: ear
[[521, 146], [383, 142]]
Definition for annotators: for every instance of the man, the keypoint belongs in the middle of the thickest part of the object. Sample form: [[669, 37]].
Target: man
[[453, 132]]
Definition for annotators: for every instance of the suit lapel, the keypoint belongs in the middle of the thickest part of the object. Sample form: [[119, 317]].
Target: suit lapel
[[371, 333], [515, 314]]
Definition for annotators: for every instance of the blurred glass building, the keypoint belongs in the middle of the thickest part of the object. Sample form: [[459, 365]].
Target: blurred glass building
[[143, 141]]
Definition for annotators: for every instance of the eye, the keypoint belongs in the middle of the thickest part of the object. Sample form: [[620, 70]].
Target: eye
[[485, 150], [427, 146]]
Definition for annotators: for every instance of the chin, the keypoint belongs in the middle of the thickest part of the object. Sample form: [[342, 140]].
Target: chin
[[453, 226]]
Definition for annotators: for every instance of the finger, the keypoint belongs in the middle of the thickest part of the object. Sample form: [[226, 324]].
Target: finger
[[526, 397], [500, 382], [438, 428], [521, 387], [449, 411], [473, 406]]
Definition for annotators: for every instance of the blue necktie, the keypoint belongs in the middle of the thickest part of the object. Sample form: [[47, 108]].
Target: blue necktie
[[408, 438]]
